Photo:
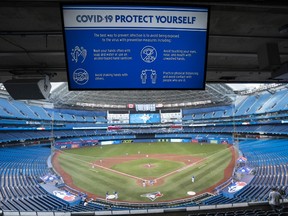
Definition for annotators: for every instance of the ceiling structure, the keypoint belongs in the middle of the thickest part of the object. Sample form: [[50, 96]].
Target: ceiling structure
[[32, 46], [31, 39], [214, 94]]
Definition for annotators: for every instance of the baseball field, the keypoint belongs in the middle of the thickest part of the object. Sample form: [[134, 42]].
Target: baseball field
[[134, 170]]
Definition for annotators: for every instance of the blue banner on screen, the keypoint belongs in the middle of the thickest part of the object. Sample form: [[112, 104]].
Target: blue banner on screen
[[133, 47], [145, 118]]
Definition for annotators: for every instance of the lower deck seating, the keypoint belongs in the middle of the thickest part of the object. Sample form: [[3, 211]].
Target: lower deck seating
[[20, 169]]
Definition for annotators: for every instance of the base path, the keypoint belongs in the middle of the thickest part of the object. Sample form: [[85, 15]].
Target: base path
[[115, 171], [107, 163]]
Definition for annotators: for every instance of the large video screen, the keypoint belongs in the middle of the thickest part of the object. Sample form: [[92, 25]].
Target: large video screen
[[145, 118], [135, 47]]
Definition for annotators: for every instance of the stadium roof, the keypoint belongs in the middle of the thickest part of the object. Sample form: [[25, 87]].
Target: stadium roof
[[215, 94]]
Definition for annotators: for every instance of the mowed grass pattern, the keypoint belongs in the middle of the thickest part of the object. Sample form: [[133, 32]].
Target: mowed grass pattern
[[137, 167], [210, 170]]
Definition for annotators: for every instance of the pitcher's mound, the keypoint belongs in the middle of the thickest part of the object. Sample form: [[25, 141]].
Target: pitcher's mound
[[148, 166]]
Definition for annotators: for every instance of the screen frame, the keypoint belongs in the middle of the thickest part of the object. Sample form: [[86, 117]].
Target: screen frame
[[134, 4]]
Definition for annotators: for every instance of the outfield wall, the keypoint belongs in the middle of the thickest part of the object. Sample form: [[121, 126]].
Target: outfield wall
[[109, 140]]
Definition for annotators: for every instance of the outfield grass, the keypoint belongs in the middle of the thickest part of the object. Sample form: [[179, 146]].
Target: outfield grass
[[76, 162]]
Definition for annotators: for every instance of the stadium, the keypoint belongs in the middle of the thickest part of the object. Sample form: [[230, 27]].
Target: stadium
[[132, 140], [236, 151]]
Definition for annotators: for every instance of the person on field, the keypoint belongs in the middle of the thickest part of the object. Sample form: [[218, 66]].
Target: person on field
[[193, 179]]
